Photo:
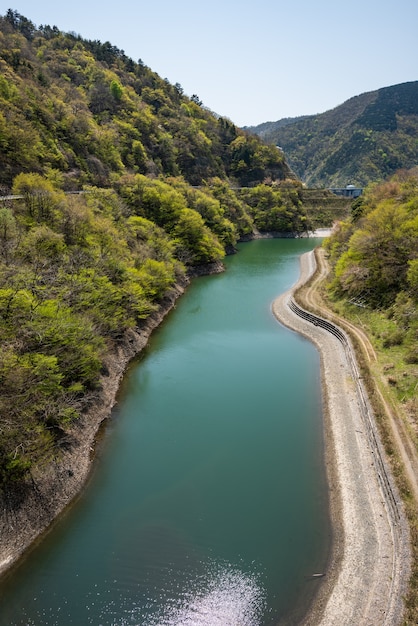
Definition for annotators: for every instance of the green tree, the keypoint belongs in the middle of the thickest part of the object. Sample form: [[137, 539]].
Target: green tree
[[116, 90], [412, 278], [375, 255], [40, 197], [8, 233], [153, 199], [41, 244], [197, 244]]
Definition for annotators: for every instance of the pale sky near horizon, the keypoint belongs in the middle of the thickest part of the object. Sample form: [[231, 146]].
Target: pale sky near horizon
[[253, 61]]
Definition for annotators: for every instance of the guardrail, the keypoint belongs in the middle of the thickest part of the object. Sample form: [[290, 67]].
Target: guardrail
[[20, 196], [365, 409], [319, 321]]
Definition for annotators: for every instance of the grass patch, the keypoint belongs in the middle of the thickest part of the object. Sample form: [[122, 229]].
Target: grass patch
[[393, 366]]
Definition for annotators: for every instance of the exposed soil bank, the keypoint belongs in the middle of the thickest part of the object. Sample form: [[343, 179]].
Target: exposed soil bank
[[369, 569]]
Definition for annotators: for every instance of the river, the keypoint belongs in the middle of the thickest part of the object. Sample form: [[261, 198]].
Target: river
[[208, 502]]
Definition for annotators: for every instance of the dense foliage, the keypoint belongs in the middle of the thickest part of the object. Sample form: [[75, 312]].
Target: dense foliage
[[364, 140], [375, 258], [159, 195], [86, 109]]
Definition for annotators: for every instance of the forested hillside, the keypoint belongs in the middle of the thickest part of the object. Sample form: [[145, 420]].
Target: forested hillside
[[87, 110], [364, 140], [374, 256], [159, 197]]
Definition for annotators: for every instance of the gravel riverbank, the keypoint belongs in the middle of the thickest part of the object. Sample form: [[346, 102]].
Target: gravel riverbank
[[369, 568]]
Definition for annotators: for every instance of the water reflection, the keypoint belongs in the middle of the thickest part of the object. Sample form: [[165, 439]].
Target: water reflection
[[215, 595]]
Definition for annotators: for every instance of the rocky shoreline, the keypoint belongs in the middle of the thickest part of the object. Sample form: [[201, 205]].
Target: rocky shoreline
[[370, 564]]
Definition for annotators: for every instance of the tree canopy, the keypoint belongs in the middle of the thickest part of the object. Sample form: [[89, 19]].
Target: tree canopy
[[83, 107], [375, 254]]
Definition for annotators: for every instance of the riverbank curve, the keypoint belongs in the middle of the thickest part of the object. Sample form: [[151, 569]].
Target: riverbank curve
[[370, 563]]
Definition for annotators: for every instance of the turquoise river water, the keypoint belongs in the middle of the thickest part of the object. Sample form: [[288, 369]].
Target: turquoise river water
[[208, 501]]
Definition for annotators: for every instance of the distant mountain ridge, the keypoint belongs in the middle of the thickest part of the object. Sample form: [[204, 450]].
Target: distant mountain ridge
[[266, 127], [365, 139]]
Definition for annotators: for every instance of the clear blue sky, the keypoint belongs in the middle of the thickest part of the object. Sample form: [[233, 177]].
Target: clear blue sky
[[253, 61]]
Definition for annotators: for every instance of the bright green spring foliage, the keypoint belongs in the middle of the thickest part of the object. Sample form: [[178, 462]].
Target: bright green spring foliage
[[375, 257], [76, 271], [277, 207], [86, 109]]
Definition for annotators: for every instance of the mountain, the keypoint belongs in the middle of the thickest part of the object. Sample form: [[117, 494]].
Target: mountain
[[263, 130], [365, 139]]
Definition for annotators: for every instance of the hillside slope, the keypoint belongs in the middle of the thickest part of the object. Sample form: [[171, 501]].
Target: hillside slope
[[87, 110], [365, 139]]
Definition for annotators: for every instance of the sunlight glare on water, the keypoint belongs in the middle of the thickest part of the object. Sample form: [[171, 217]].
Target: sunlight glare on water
[[222, 596], [227, 596]]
